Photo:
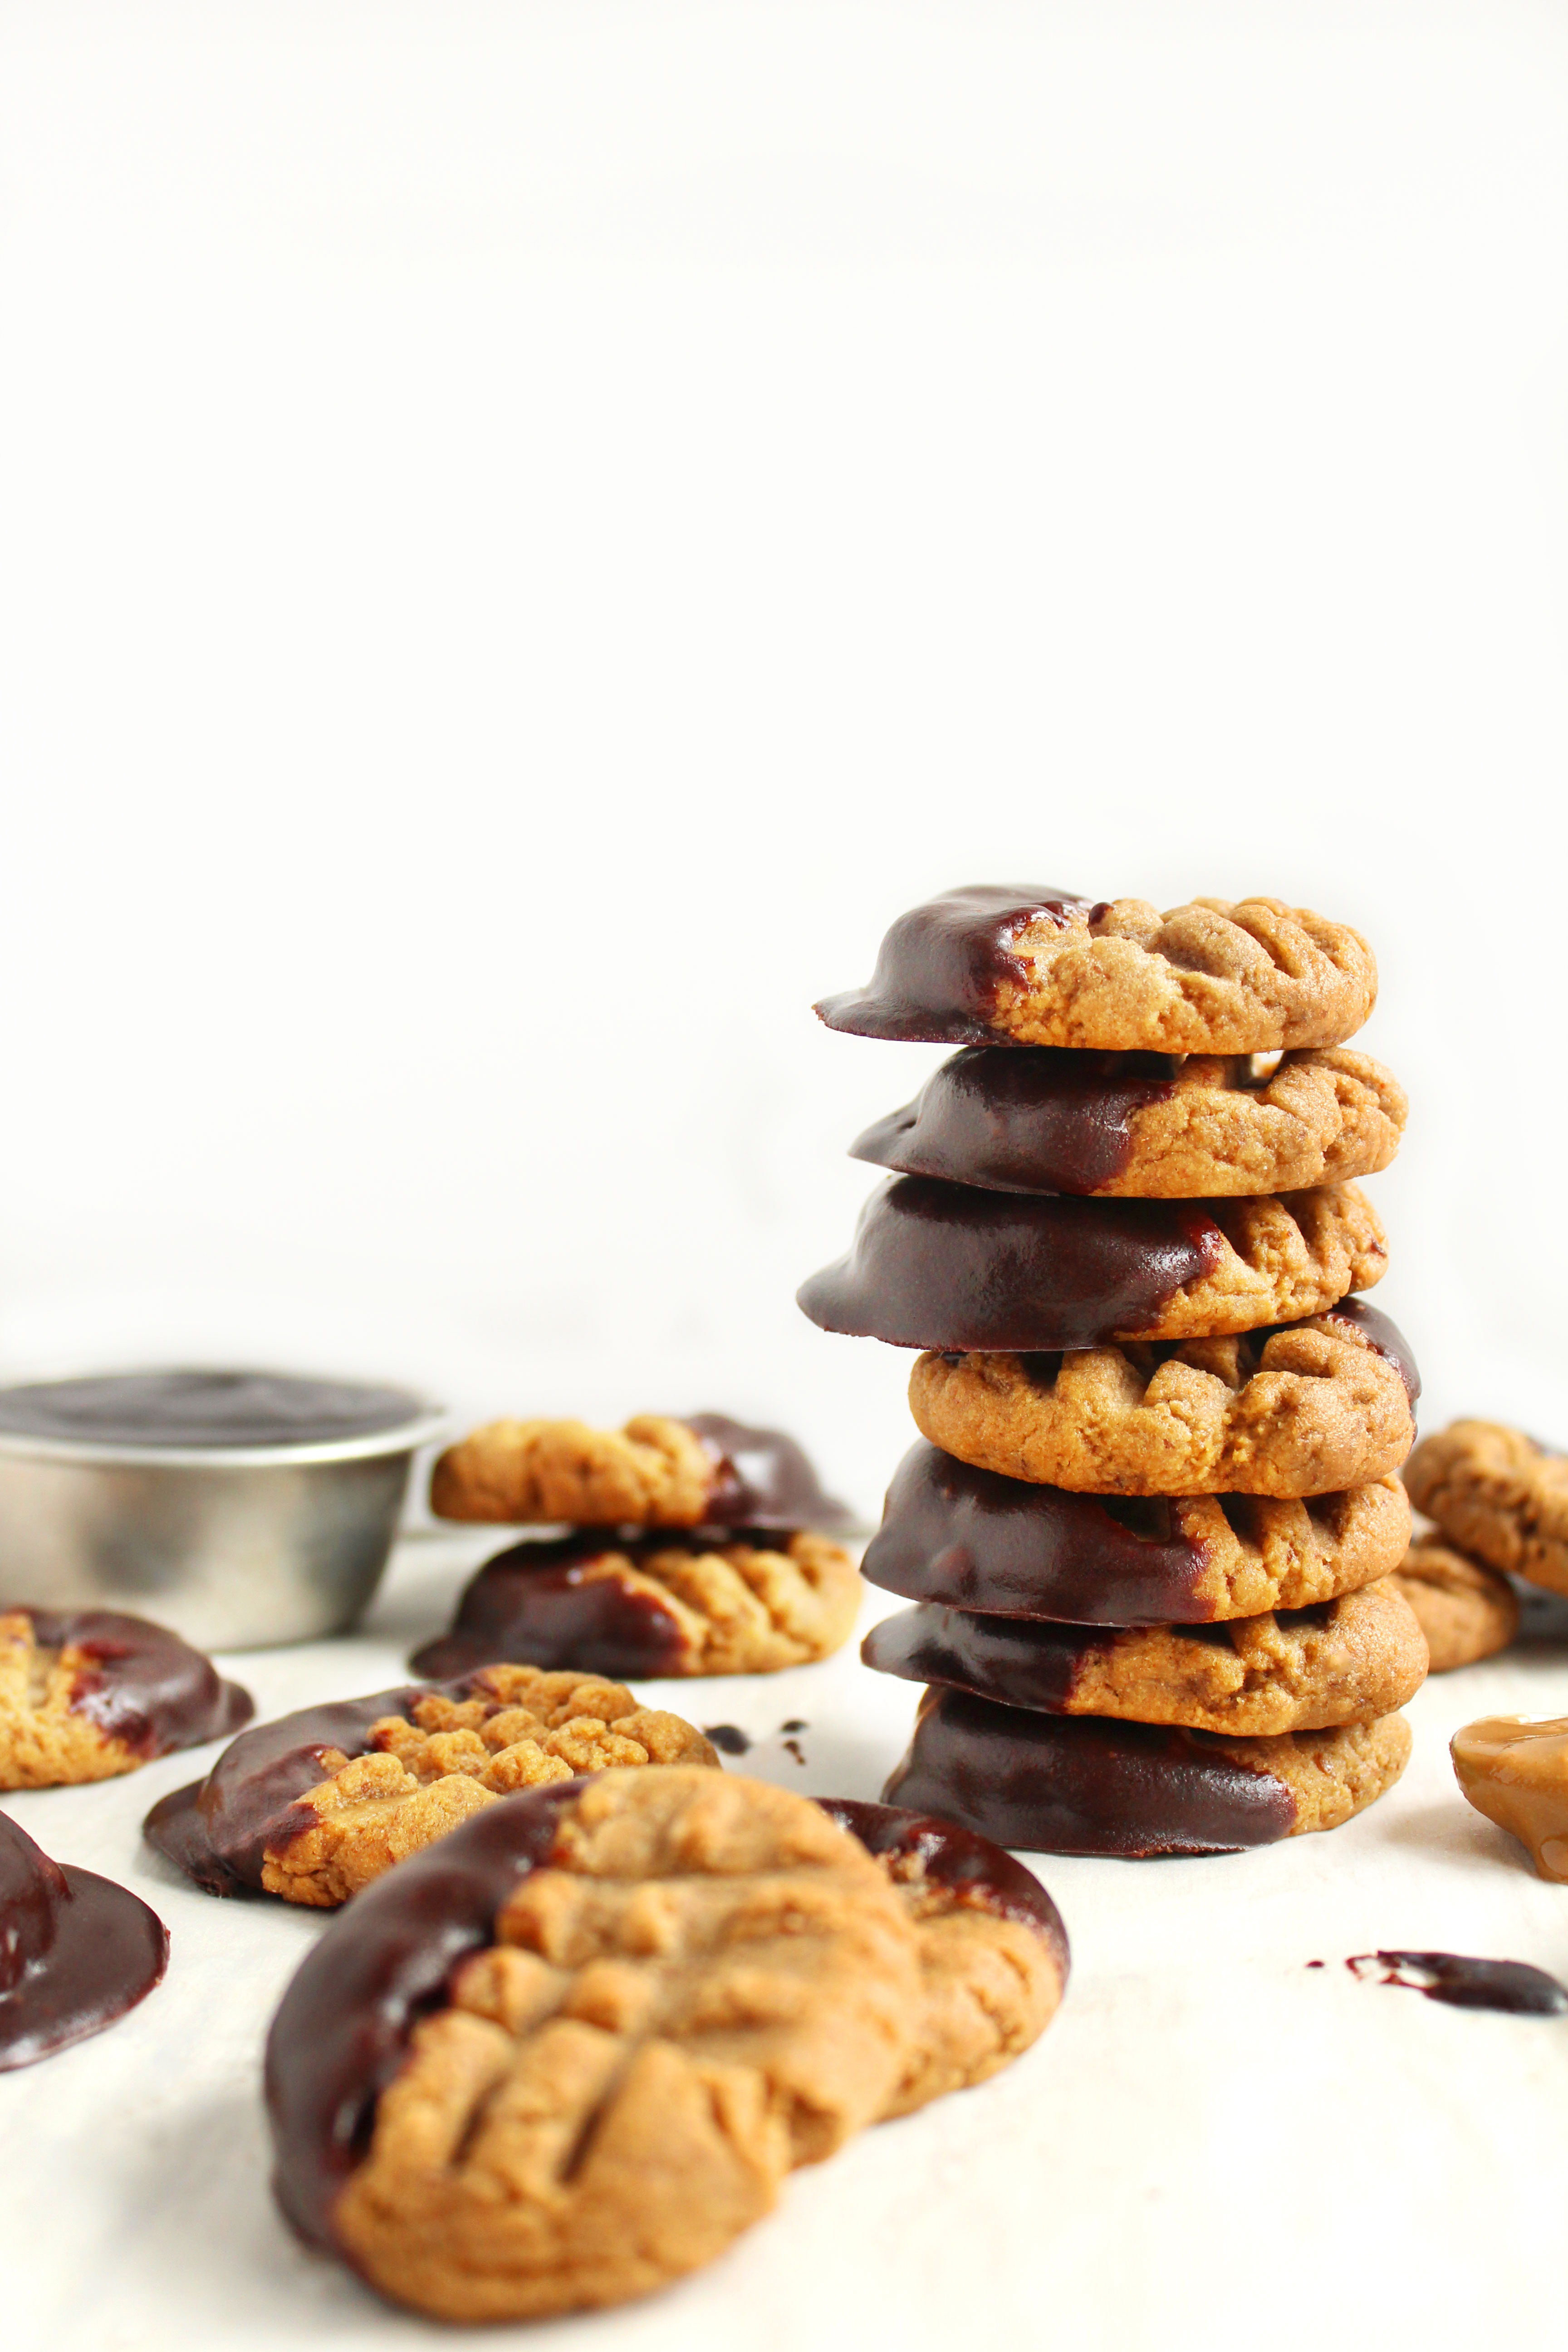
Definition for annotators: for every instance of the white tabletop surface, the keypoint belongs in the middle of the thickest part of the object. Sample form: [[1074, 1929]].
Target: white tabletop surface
[[1212, 2144]]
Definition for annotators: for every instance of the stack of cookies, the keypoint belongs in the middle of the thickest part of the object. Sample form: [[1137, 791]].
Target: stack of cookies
[[1151, 1529]]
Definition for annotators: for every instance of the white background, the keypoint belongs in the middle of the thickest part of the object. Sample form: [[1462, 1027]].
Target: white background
[[527, 533]]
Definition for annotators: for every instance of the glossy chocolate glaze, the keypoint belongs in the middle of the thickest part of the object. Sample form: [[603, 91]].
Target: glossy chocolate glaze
[[1083, 1784], [1449, 1976], [1030, 1119], [976, 1870], [76, 1950], [947, 1266], [941, 965], [1382, 1334], [144, 1686], [203, 1408], [536, 1604], [973, 1539], [765, 1480], [1017, 1662]]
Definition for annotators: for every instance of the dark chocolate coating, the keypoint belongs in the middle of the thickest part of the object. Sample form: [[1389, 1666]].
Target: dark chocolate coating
[[145, 1687], [203, 1408], [1029, 1118], [765, 1480], [1382, 1334], [1461, 1983], [1015, 1662], [535, 1605], [76, 1950], [941, 965], [947, 1266], [972, 1539], [1083, 1784], [343, 2030]]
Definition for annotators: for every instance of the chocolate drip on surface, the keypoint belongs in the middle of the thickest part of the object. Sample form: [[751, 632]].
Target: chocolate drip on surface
[[1449, 1976], [1382, 1334], [537, 1604], [1083, 1784], [144, 1686], [730, 1737], [75, 1951], [1032, 1119], [947, 1266], [765, 1480], [1016, 1663], [941, 966], [973, 1539], [202, 1409]]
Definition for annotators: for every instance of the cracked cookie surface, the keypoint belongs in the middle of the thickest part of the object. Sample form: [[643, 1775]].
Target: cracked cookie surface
[[1466, 1612], [655, 1608], [1309, 1409], [1345, 1661], [1499, 1495], [1030, 965], [88, 1695]]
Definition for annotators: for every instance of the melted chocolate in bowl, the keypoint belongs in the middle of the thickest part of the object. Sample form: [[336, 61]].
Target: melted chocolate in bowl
[[948, 1266], [1022, 1118], [1084, 1784], [202, 1408], [343, 2030], [537, 1605], [144, 1686], [976, 1540], [75, 1951], [941, 966]]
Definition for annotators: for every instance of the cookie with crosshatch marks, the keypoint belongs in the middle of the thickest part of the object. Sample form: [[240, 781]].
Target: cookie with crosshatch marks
[[89, 1694], [1466, 1612], [315, 1806], [1032, 965], [655, 1606], [1498, 1495], [572, 2052]]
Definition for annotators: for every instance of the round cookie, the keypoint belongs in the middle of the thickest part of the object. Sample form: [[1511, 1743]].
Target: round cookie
[[316, 1805], [91, 1693], [1466, 1612], [76, 1953], [704, 1471], [1032, 965], [1343, 1661], [970, 1539], [571, 2053], [1143, 1126], [1081, 1784], [1499, 1495], [1307, 1409], [945, 1265], [654, 1608]]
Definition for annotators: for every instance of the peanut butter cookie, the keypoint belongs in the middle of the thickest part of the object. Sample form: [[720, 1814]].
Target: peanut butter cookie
[[1466, 1612], [1032, 965], [88, 1695], [970, 1539], [75, 1951], [1143, 1126], [946, 1266], [1497, 1495], [1307, 1409], [1081, 1784], [704, 1471], [316, 1805], [1343, 1661], [654, 1608]]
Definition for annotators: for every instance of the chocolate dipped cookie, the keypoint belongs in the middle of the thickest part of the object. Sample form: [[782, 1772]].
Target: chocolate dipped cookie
[[90, 1693], [76, 1950], [317, 1804], [1083, 1784], [1032, 965], [1150, 1127], [654, 1607], [1498, 1495], [1309, 1409], [970, 1539]]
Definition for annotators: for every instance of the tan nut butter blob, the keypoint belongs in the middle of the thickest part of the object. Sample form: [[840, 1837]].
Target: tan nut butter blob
[[1516, 1772]]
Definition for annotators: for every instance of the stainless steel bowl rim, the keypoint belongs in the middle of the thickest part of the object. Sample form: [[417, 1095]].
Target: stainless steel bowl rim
[[403, 1437]]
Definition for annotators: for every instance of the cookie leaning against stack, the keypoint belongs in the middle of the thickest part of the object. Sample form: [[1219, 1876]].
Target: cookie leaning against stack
[[1151, 1532]]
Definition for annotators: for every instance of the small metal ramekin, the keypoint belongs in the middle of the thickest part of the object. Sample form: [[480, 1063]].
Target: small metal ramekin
[[236, 1547]]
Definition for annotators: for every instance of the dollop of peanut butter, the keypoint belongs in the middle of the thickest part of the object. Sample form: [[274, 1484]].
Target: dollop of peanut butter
[[1516, 1772]]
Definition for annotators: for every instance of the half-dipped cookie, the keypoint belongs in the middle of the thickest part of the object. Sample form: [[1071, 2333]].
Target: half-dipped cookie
[[1342, 1660], [316, 1805], [1083, 1784], [972, 1539], [655, 1606], [702, 1471], [948, 1265], [76, 1950], [89, 1694], [1307, 1409], [1146, 1127]]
